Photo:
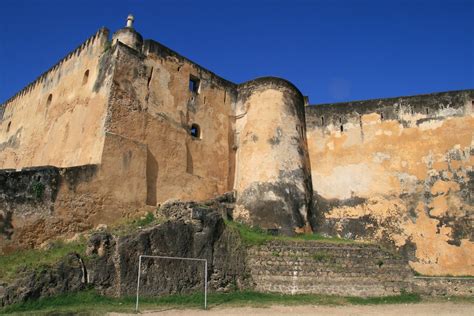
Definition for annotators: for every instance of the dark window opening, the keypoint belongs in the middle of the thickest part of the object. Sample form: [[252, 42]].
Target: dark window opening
[[342, 128], [8, 126], [322, 120], [50, 98], [381, 116], [195, 131], [86, 77], [427, 111], [194, 84]]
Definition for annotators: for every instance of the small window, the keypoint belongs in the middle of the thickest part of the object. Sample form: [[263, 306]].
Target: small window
[[50, 98], [193, 84], [86, 77], [8, 126], [322, 120], [195, 131]]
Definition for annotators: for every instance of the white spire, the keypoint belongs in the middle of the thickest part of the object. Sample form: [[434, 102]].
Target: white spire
[[130, 20]]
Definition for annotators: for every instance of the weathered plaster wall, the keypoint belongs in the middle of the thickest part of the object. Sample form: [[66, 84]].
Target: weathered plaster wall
[[151, 104], [39, 204], [398, 171], [58, 119], [272, 171]]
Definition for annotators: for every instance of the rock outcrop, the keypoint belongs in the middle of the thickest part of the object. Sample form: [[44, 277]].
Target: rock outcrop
[[191, 230]]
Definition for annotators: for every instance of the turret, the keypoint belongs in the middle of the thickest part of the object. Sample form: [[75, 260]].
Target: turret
[[128, 35], [272, 178]]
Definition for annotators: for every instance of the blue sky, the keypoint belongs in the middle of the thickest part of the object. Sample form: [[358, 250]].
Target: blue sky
[[332, 51]]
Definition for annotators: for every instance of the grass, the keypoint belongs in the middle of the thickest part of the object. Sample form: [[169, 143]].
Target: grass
[[321, 256], [92, 303], [254, 236], [32, 259], [129, 226]]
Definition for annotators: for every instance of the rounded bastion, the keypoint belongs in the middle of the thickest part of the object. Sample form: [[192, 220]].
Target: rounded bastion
[[272, 177]]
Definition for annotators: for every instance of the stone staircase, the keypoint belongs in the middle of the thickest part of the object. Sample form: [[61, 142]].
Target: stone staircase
[[328, 268]]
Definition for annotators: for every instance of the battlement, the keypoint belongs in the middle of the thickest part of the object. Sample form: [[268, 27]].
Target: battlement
[[158, 49], [98, 37], [390, 108]]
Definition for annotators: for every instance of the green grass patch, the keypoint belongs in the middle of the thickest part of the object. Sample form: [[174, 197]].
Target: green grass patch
[[32, 259], [93, 303], [321, 256], [254, 236], [130, 226]]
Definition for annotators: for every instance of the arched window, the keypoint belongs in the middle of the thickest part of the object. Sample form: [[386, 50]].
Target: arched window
[[86, 77], [195, 131], [50, 98]]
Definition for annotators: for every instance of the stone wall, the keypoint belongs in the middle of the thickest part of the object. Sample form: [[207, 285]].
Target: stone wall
[[398, 171], [444, 286], [43, 203], [58, 119], [328, 268], [151, 103]]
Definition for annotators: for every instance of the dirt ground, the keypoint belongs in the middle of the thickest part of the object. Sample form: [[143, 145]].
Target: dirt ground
[[437, 309]]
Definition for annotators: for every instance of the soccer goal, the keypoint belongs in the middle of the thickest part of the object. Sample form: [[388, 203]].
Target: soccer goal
[[141, 257]]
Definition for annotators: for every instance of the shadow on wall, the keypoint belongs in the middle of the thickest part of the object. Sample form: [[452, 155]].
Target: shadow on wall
[[151, 177], [6, 227]]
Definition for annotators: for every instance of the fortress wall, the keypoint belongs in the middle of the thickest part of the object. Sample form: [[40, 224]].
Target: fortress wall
[[58, 119], [151, 103], [40, 204], [399, 171], [272, 173]]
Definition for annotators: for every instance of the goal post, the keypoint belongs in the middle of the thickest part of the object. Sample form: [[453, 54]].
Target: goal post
[[171, 258]]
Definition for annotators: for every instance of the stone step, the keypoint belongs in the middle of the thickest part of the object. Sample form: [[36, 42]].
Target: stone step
[[325, 268], [338, 252], [312, 273], [330, 279], [362, 290], [345, 262]]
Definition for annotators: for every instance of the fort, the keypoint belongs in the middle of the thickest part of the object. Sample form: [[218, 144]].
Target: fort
[[120, 126]]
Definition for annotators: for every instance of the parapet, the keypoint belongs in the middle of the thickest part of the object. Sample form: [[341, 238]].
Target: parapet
[[246, 89], [450, 102], [269, 82], [101, 34]]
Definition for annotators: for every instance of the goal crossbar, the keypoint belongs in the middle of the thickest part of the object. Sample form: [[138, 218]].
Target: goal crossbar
[[171, 258]]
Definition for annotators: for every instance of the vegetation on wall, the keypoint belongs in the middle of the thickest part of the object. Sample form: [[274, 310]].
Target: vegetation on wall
[[33, 259], [254, 236]]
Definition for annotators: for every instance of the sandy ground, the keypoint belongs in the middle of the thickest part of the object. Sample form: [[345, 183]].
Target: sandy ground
[[386, 310]]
